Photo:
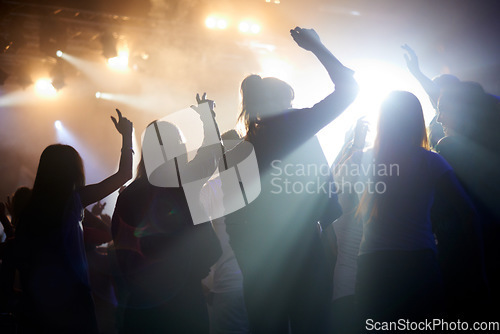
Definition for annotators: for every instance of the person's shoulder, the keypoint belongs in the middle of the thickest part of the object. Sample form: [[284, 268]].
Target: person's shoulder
[[448, 143], [435, 160]]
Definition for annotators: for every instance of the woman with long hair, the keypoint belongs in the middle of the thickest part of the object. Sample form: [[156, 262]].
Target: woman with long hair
[[286, 278], [49, 240], [398, 275]]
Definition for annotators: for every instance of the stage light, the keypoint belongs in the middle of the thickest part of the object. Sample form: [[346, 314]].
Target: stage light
[[255, 28], [221, 24], [211, 22], [58, 125], [120, 62], [98, 95], [244, 27], [44, 88], [59, 53]]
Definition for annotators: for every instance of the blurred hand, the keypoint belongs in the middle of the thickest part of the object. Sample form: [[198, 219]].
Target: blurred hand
[[307, 39], [98, 208], [203, 99], [123, 125], [360, 133], [411, 60]]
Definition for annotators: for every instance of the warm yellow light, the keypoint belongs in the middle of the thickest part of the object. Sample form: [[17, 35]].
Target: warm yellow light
[[221, 24], [120, 62], [211, 22], [255, 28], [43, 87], [244, 26]]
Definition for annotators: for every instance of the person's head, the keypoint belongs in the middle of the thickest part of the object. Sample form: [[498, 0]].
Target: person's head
[[444, 81], [465, 109], [230, 139], [60, 171], [171, 138], [401, 123], [263, 97], [20, 201]]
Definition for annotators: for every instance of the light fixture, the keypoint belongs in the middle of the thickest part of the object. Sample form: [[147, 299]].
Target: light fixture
[[244, 26], [211, 22], [255, 28], [44, 88]]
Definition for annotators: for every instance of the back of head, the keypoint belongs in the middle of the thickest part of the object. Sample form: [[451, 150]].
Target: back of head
[[444, 81], [20, 201], [171, 137], [60, 172], [401, 123], [474, 112], [262, 97]]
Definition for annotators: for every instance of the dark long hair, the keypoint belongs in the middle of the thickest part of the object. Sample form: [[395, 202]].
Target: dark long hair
[[60, 172]]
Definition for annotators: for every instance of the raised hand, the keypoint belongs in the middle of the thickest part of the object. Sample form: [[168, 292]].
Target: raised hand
[[203, 99], [307, 39], [360, 133], [98, 208], [123, 125], [411, 60]]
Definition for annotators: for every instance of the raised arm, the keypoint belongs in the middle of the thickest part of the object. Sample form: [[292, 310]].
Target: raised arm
[[346, 88], [95, 192], [427, 84], [205, 162]]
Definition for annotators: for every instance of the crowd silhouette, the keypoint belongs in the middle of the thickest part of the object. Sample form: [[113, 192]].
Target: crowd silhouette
[[406, 229]]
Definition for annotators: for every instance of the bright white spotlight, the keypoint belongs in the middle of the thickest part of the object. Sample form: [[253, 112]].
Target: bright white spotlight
[[221, 24], [211, 22], [98, 95], [244, 27], [120, 62], [58, 125], [44, 88], [255, 28], [59, 53]]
